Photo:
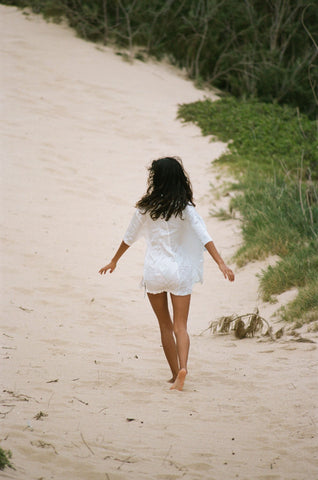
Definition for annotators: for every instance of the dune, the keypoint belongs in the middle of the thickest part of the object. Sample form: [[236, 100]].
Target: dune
[[83, 377]]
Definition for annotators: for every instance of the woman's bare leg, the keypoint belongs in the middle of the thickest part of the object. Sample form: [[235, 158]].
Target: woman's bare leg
[[181, 306], [159, 303]]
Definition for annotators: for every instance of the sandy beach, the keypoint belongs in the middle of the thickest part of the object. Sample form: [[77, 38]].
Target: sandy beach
[[84, 392]]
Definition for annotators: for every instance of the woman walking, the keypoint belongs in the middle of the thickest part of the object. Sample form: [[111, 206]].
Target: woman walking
[[176, 237]]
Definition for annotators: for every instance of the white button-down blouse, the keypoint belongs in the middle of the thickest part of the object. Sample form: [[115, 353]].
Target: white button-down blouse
[[174, 256]]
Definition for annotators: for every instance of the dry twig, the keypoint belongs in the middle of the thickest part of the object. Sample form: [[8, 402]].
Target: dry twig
[[86, 444]]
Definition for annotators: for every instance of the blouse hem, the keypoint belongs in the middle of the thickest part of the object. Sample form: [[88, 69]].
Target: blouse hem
[[156, 292], [169, 291]]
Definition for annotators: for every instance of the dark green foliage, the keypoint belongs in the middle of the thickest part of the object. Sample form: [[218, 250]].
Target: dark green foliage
[[260, 49], [274, 154], [5, 456], [49, 8]]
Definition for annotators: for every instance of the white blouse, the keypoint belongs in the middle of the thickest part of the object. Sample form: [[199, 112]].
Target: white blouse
[[174, 256]]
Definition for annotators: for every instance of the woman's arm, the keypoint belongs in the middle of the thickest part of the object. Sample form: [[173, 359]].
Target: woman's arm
[[227, 272], [199, 228], [113, 263], [131, 235]]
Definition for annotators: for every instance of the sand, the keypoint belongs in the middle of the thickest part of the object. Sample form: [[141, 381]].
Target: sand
[[79, 128]]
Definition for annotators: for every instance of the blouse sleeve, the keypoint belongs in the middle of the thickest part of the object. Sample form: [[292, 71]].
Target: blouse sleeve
[[197, 224], [135, 228]]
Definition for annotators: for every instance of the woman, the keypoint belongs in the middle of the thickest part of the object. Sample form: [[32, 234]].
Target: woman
[[176, 237]]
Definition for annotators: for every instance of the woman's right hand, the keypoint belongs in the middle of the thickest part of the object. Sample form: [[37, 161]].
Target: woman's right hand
[[110, 266]]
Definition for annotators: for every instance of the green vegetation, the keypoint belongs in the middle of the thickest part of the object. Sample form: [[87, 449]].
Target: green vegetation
[[304, 308], [5, 456], [264, 49], [274, 155], [265, 136]]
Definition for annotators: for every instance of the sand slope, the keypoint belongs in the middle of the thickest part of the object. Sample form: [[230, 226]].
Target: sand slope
[[79, 126]]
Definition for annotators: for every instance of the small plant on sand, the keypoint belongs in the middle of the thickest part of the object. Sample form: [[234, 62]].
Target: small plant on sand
[[5, 456]]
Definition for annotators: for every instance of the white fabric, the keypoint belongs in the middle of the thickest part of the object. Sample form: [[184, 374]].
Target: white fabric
[[174, 256]]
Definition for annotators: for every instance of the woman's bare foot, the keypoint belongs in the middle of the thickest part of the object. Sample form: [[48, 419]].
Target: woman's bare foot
[[173, 378], [179, 381]]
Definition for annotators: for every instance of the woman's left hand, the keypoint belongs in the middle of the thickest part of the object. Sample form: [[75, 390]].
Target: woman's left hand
[[227, 272]]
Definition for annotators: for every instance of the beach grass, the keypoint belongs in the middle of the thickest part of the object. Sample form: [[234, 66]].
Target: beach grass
[[273, 154], [5, 456]]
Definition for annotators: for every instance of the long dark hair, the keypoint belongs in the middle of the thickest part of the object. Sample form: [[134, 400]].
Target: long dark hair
[[169, 189]]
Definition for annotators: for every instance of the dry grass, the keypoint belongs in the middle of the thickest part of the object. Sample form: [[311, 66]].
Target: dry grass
[[246, 325]]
